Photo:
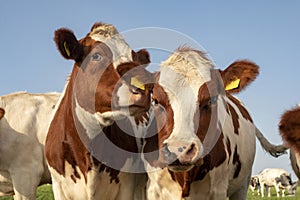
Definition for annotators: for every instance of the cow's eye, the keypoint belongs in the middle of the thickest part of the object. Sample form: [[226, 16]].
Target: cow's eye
[[207, 104], [155, 101], [213, 100], [96, 56], [134, 89]]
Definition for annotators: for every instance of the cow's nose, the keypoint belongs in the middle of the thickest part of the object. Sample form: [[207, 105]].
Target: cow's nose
[[188, 154], [185, 152]]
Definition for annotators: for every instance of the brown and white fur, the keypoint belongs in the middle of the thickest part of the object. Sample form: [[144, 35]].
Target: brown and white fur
[[289, 127], [97, 95], [205, 145]]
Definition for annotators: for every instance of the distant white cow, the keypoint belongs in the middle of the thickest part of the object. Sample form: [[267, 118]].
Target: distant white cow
[[278, 178], [24, 120]]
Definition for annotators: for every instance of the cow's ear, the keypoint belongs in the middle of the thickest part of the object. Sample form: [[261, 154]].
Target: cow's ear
[[142, 57], [239, 75], [68, 45]]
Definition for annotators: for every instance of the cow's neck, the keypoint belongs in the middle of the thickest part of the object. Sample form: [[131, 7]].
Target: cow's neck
[[74, 148], [65, 139]]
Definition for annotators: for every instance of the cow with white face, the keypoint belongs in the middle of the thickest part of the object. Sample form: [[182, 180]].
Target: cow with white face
[[205, 145], [106, 88]]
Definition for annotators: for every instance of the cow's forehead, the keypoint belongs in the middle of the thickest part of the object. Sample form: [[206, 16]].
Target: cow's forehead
[[181, 77], [185, 68], [109, 35]]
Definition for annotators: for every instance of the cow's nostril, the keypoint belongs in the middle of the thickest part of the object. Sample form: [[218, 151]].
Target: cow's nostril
[[166, 150], [169, 156], [191, 149]]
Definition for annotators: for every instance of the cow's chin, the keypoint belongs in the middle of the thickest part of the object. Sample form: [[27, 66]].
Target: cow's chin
[[135, 110], [131, 110], [108, 118], [183, 167], [180, 168]]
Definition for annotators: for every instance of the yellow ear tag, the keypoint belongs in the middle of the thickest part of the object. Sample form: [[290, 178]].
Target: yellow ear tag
[[136, 83], [67, 49], [233, 84]]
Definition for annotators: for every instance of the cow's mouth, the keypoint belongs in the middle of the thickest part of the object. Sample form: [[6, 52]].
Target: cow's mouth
[[130, 110], [177, 166], [107, 118], [136, 110]]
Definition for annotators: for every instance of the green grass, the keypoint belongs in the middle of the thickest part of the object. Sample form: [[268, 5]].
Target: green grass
[[273, 195], [44, 192]]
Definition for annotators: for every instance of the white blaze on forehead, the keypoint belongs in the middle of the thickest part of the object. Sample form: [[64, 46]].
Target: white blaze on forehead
[[191, 64], [109, 35], [181, 76]]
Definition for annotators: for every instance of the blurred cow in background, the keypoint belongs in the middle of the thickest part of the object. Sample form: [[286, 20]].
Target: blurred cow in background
[[278, 178], [24, 120], [254, 184], [289, 127]]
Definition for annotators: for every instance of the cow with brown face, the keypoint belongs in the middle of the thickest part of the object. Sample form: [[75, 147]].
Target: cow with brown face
[[205, 145], [289, 127], [106, 87]]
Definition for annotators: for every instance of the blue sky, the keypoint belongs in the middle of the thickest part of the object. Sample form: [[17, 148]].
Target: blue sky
[[266, 32]]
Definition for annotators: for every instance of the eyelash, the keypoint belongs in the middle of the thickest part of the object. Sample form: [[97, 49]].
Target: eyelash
[[155, 101], [210, 102], [96, 57]]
